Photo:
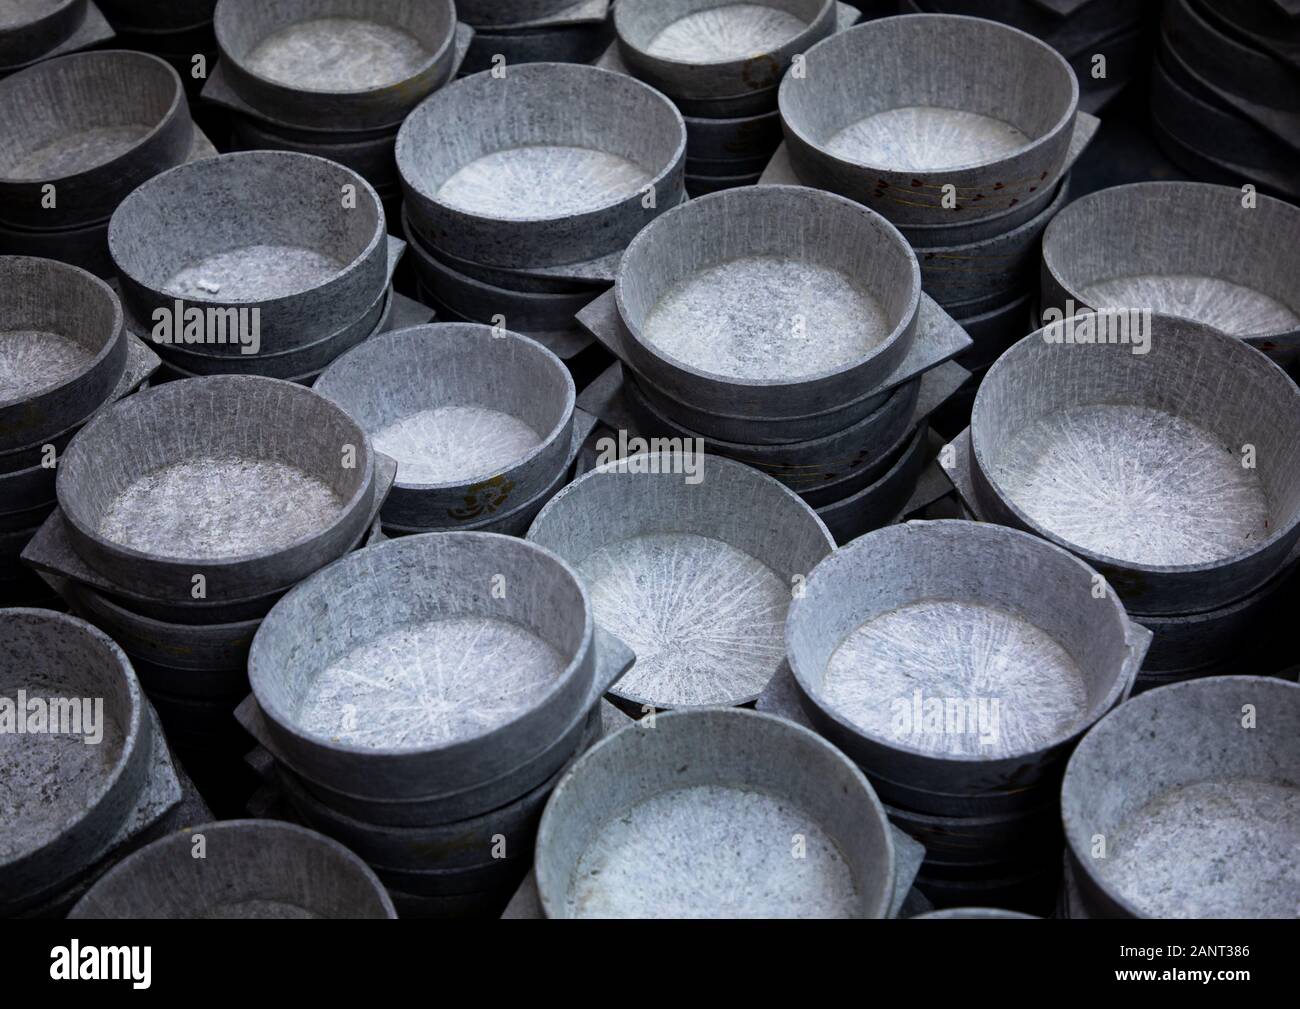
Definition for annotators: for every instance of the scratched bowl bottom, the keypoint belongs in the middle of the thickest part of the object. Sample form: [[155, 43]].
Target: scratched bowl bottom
[[338, 54], [447, 444], [738, 863], [727, 32], [926, 138], [1232, 308], [894, 674], [1224, 848], [706, 620], [32, 361], [254, 273]]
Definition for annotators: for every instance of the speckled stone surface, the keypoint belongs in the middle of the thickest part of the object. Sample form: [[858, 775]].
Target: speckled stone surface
[[999, 628], [1181, 248], [30, 28], [576, 180], [1000, 112], [734, 813], [1135, 461], [337, 54], [696, 577], [251, 869], [1193, 788]]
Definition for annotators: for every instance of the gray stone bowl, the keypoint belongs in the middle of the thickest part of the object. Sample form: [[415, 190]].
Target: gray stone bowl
[[1181, 248], [768, 301], [270, 230], [694, 577], [474, 416], [1135, 461], [65, 800], [889, 486], [967, 614], [735, 137], [694, 817], [1193, 789], [506, 173], [63, 349], [424, 664], [28, 30], [371, 157], [698, 50], [890, 112], [94, 126], [252, 483], [579, 42], [493, 13], [251, 869], [341, 64]]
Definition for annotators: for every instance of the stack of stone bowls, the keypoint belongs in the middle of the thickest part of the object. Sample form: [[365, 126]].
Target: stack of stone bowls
[[1164, 453], [77, 134], [959, 131], [784, 327], [534, 31], [481, 424], [720, 64], [522, 190], [1107, 42], [64, 355], [957, 664], [420, 698], [1223, 92], [31, 32], [178, 31], [266, 263], [334, 78], [185, 512]]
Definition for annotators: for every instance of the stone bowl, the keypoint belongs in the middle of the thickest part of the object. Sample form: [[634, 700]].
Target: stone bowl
[[341, 64], [251, 869], [65, 800], [768, 301], [425, 664], [93, 125], [694, 577], [894, 110], [1181, 248], [734, 787], [888, 485], [1134, 461], [474, 416], [63, 349], [736, 137], [1193, 791], [1021, 645], [548, 165], [29, 29], [697, 50], [274, 231], [252, 483]]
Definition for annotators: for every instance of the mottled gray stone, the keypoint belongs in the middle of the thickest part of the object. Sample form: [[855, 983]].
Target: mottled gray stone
[[994, 330], [574, 12], [966, 611], [714, 813], [1157, 497], [580, 41], [27, 29], [491, 13], [882, 107], [574, 182], [250, 869], [1194, 789]]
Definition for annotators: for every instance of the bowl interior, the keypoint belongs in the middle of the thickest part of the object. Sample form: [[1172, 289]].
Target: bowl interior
[[213, 469], [73, 680], [453, 403], [928, 92], [1185, 454], [768, 284], [1184, 249], [245, 227], [712, 31], [992, 637], [420, 642], [56, 321], [547, 141], [1198, 802], [68, 115], [336, 46], [739, 789]]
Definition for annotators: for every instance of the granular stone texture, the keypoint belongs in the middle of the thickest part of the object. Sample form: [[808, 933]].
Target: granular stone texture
[[726, 32], [449, 443], [431, 683], [255, 273], [742, 861], [83, 148], [1225, 848], [1012, 687], [1136, 484], [32, 361], [1233, 308], [257, 909], [705, 620], [338, 54], [926, 138], [214, 508]]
